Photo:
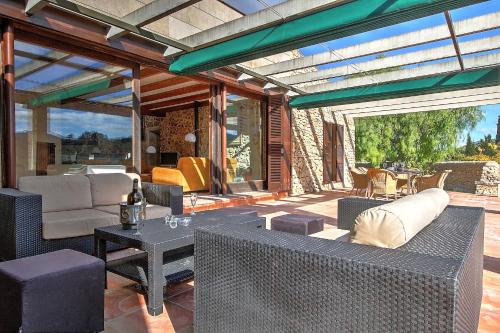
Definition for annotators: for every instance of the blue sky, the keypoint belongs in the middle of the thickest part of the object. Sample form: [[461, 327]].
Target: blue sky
[[487, 126]]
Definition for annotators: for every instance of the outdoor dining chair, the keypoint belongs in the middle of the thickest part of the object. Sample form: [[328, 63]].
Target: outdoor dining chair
[[359, 181], [431, 181], [382, 183]]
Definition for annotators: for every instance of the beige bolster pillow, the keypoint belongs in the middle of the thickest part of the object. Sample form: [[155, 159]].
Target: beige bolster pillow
[[393, 224]]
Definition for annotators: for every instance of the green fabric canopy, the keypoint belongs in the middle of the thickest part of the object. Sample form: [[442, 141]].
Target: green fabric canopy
[[65, 93], [345, 20], [440, 83]]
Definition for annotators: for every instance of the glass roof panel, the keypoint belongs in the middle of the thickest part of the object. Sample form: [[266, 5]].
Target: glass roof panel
[[31, 48], [90, 63], [475, 10], [251, 6]]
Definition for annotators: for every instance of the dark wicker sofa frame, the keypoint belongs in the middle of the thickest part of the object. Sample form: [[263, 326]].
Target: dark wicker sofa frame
[[268, 281], [21, 222]]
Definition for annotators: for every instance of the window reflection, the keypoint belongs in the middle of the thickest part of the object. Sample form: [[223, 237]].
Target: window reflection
[[73, 114], [244, 137]]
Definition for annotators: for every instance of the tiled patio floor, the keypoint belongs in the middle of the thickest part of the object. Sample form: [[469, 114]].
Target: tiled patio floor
[[125, 310]]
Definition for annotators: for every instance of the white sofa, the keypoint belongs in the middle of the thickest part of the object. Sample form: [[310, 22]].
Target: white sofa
[[73, 206], [50, 213]]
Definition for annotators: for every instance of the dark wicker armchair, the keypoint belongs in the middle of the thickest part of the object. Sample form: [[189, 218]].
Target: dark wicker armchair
[[267, 281]]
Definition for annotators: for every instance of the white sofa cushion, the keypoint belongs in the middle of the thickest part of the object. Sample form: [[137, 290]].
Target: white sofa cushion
[[395, 223], [152, 211], [111, 188], [59, 193], [75, 223]]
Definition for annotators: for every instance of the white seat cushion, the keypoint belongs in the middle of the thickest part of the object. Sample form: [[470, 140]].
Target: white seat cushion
[[152, 211], [59, 193], [75, 223], [111, 188], [393, 224]]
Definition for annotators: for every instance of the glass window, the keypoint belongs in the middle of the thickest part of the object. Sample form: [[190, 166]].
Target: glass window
[[72, 112], [244, 137]]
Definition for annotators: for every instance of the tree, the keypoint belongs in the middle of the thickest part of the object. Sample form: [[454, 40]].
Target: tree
[[497, 139], [487, 146], [470, 148], [420, 139]]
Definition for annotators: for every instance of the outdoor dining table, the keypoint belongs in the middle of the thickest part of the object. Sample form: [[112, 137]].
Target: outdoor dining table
[[406, 174]]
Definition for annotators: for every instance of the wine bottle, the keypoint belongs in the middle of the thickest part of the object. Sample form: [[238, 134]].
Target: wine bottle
[[134, 197]]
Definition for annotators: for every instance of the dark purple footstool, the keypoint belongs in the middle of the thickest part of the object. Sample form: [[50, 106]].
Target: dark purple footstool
[[61, 291], [297, 224]]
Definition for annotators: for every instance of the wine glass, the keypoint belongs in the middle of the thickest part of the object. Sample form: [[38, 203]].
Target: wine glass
[[138, 218], [194, 198]]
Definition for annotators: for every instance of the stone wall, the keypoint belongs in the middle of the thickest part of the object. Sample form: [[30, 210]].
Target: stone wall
[[479, 177], [307, 149], [174, 127]]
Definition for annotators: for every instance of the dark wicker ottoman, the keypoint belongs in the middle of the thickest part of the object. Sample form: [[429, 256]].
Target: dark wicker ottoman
[[297, 224], [60, 291]]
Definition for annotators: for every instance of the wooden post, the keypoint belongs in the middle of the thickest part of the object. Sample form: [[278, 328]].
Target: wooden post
[[224, 138], [136, 119], [197, 128], [9, 104], [215, 103]]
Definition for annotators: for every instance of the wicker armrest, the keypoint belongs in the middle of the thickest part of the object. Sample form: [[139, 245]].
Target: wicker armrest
[[164, 195], [280, 282], [350, 208], [20, 223]]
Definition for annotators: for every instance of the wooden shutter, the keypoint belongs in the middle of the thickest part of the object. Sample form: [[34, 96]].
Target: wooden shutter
[[328, 160], [278, 144], [333, 153], [339, 155]]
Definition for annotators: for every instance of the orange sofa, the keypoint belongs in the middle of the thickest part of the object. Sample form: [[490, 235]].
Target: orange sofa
[[192, 173]]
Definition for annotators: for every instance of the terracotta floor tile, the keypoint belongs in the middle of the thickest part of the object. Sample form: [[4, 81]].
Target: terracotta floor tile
[[185, 299], [173, 319]]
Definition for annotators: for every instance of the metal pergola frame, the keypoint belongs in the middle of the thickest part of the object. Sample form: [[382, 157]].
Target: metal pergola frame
[[288, 75]]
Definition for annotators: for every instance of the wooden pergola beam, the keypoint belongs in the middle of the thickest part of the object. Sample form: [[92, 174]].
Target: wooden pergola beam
[[453, 35]]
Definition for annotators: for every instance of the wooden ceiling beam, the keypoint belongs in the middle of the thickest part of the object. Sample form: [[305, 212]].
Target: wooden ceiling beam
[[175, 92], [164, 83], [161, 105], [186, 106]]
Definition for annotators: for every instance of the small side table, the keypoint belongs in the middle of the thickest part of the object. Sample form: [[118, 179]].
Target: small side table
[[297, 224]]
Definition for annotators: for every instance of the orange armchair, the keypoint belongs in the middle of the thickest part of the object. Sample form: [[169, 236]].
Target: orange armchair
[[192, 173]]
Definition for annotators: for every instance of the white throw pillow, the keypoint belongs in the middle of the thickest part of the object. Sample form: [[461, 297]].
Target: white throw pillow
[[393, 224]]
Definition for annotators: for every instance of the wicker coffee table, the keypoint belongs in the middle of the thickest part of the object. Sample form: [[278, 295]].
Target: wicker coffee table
[[168, 252]]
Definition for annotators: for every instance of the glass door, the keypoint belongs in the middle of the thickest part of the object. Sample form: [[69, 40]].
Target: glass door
[[244, 144]]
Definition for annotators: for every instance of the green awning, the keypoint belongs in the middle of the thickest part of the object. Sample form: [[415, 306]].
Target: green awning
[[65, 93], [349, 19], [440, 83]]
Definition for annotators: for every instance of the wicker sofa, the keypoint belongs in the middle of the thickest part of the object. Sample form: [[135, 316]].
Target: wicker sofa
[[269, 281], [49, 213]]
